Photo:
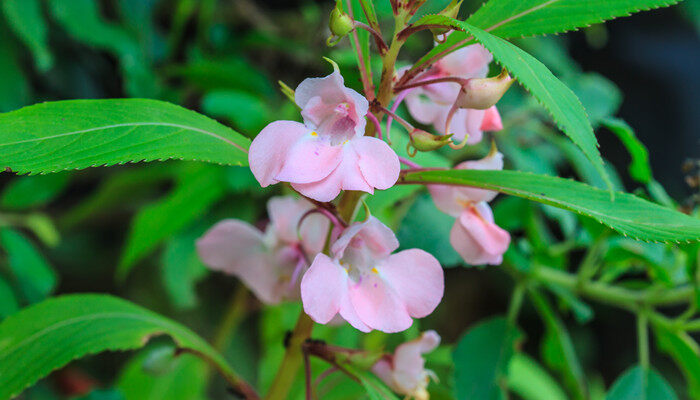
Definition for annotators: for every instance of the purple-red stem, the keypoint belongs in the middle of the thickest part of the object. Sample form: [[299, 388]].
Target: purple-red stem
[[377, 125]]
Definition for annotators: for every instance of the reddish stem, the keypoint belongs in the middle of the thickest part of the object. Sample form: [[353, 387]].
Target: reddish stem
[[377, 125]]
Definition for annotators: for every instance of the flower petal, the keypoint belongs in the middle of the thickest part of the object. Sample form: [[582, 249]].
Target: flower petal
[[285, 213], [378, 163], [423, 109], [468, 62], [477, 238], [323, 287], [269, 149], [492, 120], [236, 248], [378, 305], [417, 278], [347, 176], [409, 364], [378, 237], [309, 160]]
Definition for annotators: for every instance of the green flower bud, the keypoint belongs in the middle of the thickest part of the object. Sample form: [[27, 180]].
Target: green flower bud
[[424, 141], [340, 24], [452, 10]]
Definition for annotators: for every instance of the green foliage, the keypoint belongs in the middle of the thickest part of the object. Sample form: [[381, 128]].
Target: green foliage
[[559, 100], [248, 113], [33, 191], [8, 300], [181, 377], [638, 383], [34, 275], [684, 351], [530, 381], [627, 214], [182, 269], [108, 132], [25, 18], [515, 18], [481, 359], [47, 336], [196, 190], [639, 168], [14, 88]]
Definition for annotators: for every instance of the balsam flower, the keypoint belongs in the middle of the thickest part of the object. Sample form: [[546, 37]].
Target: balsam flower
[[431, 104], [367, 285], [328, 152], [404, 371], [475, 236], [268, 263]]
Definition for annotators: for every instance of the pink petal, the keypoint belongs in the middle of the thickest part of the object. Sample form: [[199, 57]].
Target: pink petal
[[378, 305], [417, 278], [491, 162], [384, 371], [464, 122], [285, 213], [378, 237], [477, 238], [347, 176], [468, 62], [447, 199], [323, 286], [237, 248], [269, 149], [329, 88], [409, 364], [309, 160], [492, 120], [423, 109], [379, 164]]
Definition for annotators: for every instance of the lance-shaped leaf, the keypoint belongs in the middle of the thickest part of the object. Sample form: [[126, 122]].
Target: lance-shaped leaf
[[566, 109], [639, 383], [49, 335], [627, 214], [518, 18], [75, 134], [24, 17]]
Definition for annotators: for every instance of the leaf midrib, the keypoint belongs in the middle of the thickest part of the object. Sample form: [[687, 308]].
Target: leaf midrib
[[127, 124]]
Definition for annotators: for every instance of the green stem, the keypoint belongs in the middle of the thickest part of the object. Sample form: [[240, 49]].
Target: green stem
[[692, 326], [234, 314], [590, 264], [614, 295], [643, 339], [293, 357], [516, 302]]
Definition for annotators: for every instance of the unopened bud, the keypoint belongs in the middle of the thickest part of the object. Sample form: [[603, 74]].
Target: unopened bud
[[483, 93], [340, 24], [451, 11], [424, 141]]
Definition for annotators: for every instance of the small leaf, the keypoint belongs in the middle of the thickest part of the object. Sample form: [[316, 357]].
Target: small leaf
[[481, 359], [49, 335], [532, 382], [182, 269], [375, 388], [75, 134], [639, 168], [638, 383], [25, 18], [33, 191], [33, 273], [627, 214], [684, 351], [8, 300]]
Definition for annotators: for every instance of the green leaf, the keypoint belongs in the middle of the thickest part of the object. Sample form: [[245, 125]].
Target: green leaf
[[247, 112], [517, 18], [684, 351], [194, 193], [558, 349], [33, 273], [49, 335], [639, 168], [25, 18], [375, 388], [638, 383], [8, 301], [559, 100], [33, 191], [14, 88], [82, 20], [532, 382], [233, 73], [627, 214], [481, 359], [185, 377], [75, 134], [182, 269]]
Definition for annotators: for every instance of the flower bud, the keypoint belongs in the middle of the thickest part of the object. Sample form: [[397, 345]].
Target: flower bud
[[483, 93], [452, 10], [340, 24], [424, 141]]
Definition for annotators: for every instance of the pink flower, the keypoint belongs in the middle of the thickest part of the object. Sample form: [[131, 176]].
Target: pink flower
[[474, 235], [269, 263], [430, 104], [328, 152], [404, 371], [370, 287]]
